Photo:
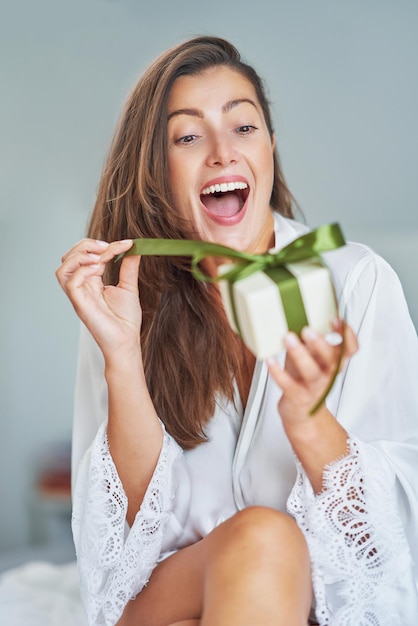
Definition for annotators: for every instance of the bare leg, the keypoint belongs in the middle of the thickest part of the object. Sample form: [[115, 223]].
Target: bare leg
[[252, 569]]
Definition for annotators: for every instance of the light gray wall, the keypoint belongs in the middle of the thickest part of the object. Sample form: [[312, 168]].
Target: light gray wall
[[343, 83]]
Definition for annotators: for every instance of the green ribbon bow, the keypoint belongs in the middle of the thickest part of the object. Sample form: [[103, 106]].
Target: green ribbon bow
[[308, 246]]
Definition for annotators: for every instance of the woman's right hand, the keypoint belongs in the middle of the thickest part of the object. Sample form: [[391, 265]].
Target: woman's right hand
[[111, 313]]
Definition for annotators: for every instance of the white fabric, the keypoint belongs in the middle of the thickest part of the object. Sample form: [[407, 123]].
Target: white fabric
[[41, 594], [362, 530], [122, 561]]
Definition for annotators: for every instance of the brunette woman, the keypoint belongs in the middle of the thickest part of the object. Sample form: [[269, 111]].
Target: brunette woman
[[204, 492]]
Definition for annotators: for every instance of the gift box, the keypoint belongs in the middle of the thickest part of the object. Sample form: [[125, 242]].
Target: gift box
[[266, 295], [264, 306]]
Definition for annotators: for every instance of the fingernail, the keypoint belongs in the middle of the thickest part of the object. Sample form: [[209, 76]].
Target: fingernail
[[291, 340], [104, 244], [333, 339], [309, 334]]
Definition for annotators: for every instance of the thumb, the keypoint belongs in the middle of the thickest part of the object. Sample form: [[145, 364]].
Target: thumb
[[129, 273]]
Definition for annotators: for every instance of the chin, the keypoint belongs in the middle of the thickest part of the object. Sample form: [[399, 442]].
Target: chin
[[237, 243]]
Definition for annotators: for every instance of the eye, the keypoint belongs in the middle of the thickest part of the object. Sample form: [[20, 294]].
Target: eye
[[185, 140], [246, 129]]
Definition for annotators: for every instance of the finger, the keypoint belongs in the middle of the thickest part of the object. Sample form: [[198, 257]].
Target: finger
[[80, 257], [106, 251], [350, 340], [84, 275], [351, 345], [299, 360], [129, 272], [282, 378], [74, 262], [86, 245], [89, 252], [325, 352], [85, 253], [114, 249]]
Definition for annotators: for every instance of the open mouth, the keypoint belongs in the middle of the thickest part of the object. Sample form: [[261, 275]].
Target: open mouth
[[225, 200]]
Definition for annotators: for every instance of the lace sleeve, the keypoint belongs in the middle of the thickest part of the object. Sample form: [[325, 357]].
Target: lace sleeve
[[359, 553], [115, 561]]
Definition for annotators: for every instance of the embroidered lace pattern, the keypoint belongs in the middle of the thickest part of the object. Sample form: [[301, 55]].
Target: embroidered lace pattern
[[355, 537], [115, 562]]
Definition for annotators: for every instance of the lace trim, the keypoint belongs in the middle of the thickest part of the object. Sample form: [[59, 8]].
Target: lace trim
[[357, 544], [115, 562]]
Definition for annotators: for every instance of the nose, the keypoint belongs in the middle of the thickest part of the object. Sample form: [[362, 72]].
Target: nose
[[222, 151]]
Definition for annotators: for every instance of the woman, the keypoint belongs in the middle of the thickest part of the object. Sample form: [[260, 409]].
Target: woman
[[192, 459]]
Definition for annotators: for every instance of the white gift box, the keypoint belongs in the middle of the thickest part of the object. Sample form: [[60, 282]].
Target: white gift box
[[259, 308]]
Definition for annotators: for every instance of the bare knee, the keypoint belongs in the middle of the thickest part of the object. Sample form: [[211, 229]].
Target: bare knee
[[268, 551], [263, 529], [262, 544]]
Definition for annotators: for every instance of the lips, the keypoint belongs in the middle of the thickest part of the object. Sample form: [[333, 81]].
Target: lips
[[224, 200]]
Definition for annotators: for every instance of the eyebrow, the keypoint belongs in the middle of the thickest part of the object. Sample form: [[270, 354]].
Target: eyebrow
[[228, 106]]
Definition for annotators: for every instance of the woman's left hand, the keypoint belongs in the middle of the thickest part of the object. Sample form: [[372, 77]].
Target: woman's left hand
[[310, 364], [319, 439]]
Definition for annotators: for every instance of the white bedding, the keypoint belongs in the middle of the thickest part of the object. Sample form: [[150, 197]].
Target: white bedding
[[41, 594]]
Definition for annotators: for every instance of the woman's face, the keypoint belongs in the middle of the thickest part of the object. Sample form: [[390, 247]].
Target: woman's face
[[220, 159]]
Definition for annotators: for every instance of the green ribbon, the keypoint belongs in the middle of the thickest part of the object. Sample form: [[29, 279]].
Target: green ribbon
[[309, 246], [291, 297]]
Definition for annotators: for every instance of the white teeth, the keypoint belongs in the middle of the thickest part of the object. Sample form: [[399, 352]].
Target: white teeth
[[224, 187]]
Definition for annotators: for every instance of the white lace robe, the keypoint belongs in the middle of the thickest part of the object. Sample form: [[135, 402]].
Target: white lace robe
[[362, 529]]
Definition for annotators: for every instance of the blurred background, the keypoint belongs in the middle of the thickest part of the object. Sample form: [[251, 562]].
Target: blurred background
[[342, 80]]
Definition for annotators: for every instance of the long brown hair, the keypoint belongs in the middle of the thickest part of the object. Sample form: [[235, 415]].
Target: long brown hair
[[190, 354]]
